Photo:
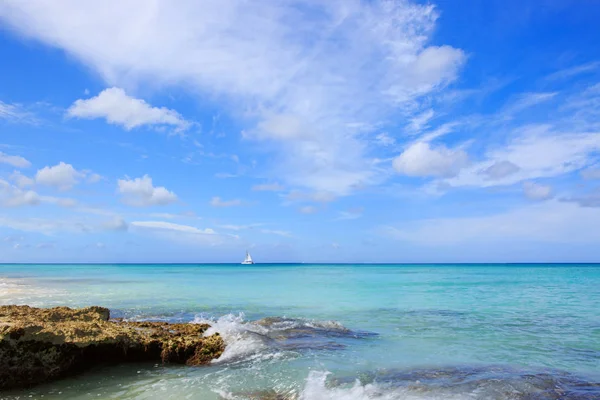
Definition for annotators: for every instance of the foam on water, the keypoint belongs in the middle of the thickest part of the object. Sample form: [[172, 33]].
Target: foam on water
[[22, 291], [275, 336], [243, 339], [316, 389]]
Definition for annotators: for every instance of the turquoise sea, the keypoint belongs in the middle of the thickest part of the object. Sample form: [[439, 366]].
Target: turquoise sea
[[341, 331]]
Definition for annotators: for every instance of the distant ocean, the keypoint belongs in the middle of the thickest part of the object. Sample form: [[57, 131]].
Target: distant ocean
[[413, 332]]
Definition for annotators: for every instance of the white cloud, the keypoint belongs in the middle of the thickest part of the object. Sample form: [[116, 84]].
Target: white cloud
[[501, 169], [420, 159], [94, 178], [539, 152], [62, 176], [116, 224], [45, 226], [353, 213], [218, 202], [308, 210], [182, 234], [313, 92], [551, 221], [15, 161], [59, 201], [232, 227], [21, 180], [384, 139], [118, 108], [13, 196], [536, 191], [591, 173], [318, 197], [590, 199], [140, 192], [225, 175], [19, 198], [15, 113], [187, 214], [276, 232], [169, 226], [527, 100], [420, 121], [268, 187], [574, 71]]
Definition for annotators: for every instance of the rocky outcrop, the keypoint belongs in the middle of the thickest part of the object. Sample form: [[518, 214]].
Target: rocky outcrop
[[39, 345]]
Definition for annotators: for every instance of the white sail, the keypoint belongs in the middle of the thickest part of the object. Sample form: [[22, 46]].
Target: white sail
[[248, 259]]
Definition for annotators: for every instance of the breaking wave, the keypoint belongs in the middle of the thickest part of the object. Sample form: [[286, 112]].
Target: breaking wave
[[277, 336], [479, 383]]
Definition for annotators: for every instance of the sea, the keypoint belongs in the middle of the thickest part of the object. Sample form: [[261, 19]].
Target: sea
[[329, 332]]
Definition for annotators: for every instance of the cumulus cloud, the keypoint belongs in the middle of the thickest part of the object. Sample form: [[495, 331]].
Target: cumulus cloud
[[116, 224], [218, 202], [118, 108], [14, 196], [422, 160], [313, 92], [21, 198], [15, 161], [140, 192], [21, 180], [62, 176], [536, 191]]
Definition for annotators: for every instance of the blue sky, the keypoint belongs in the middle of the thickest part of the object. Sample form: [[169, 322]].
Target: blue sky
[[304, 131]]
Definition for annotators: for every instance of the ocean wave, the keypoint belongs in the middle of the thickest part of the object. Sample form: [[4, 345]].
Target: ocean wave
[[458, 383], [276, 336], [477, 383]]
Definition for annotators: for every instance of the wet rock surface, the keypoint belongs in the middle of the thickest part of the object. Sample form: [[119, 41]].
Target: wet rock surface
[[39, 345]]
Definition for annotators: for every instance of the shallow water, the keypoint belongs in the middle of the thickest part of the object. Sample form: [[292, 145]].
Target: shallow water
[[342, 331]]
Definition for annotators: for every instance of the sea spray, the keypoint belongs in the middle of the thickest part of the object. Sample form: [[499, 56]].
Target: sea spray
[[242, 340]]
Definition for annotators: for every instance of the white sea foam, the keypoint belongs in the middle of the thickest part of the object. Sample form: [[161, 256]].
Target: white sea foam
[[243, 339], [317, 389], [268, 338], [22, 291]]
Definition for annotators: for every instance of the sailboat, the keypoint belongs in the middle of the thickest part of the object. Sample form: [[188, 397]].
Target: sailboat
[[248, 259]]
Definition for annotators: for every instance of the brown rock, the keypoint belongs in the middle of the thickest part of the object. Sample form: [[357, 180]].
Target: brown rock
[[38, 345]]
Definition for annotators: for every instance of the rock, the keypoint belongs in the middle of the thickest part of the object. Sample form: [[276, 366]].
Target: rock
[[38, 345]]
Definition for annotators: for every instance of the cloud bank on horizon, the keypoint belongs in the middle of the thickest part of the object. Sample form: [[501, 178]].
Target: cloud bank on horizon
[[388, 130]]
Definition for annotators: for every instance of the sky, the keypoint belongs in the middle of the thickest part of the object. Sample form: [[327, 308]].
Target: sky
[[302, 131]]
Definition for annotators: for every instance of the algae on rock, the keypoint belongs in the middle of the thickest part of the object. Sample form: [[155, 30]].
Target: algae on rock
[[39, 345]]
